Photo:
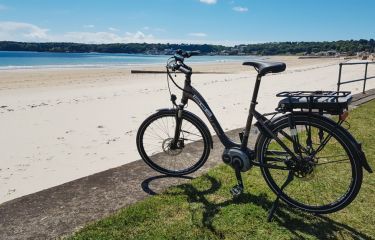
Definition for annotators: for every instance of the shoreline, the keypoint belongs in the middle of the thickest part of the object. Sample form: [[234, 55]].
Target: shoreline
[[101, 66], [158, 64], [104, 61]]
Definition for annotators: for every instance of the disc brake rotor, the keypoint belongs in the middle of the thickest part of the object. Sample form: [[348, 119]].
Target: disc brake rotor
[[167, 148]]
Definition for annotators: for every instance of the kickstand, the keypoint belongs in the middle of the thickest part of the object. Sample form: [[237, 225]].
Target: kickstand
[[275, 204], [238, 189]]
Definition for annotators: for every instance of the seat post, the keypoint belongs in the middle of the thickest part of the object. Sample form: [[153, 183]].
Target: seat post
[[251, 112]]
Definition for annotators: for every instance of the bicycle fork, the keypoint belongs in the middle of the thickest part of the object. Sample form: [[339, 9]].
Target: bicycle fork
[[174, 143]]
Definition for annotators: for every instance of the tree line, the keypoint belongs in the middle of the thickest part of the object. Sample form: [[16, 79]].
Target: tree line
[[271, 48], [132, 48], [284, 48]]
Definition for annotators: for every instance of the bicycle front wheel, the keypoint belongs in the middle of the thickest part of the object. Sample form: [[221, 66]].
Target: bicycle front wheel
[[154, 140], [326, 177]]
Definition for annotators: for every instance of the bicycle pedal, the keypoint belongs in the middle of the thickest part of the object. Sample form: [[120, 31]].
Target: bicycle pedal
[[236, 191]]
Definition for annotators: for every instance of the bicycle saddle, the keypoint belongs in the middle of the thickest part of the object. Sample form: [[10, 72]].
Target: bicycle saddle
[[266, 67]]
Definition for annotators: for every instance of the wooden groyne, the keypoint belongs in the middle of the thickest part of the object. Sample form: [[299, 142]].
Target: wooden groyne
[[164, 72]]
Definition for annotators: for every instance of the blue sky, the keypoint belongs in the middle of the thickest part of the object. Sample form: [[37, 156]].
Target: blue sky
[[226, 22]]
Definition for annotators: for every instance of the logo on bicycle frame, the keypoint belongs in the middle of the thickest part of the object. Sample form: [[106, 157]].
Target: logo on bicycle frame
[[203, 107]]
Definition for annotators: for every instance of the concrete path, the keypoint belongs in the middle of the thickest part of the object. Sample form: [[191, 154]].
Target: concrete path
[[63, 209]]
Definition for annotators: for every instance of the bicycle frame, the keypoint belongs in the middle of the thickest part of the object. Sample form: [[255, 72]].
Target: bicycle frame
[[190, 93], [290, 156]]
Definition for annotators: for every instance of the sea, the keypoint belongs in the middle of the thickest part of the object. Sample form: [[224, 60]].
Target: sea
[[29, 60]]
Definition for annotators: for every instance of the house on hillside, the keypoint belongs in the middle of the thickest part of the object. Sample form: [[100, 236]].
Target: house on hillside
[[169, 51], [330, 53], [153, 51], [224, 52], [363, 55]]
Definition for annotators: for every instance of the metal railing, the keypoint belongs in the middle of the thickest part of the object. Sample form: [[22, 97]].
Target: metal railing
[[339, 83]]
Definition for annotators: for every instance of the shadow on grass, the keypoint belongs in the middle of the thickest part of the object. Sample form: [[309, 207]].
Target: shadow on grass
[[297, 222], [319, 226], [146, 183]]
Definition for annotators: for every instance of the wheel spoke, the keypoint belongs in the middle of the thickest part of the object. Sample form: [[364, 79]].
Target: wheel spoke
[[323, 174], [335, 161], [288, 137], [275, 159], [157, 139]]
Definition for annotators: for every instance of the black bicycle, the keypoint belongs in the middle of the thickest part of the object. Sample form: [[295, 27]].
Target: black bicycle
[[308, 160]]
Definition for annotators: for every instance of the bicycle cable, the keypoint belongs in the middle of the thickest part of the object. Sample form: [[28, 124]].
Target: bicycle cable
[[169, 87], [169, 76]]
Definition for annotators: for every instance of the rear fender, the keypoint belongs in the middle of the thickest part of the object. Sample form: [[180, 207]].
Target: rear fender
[[361, 155], [358, 146]]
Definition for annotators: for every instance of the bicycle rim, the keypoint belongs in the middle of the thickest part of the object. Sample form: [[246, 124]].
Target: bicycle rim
[[327, 182], [156, 135]]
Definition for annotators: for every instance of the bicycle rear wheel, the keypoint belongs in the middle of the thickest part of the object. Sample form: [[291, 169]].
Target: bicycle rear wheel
[[154, 140], [327, 176]]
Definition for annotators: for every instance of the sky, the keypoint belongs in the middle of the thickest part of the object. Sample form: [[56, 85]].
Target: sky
[[225, 22]]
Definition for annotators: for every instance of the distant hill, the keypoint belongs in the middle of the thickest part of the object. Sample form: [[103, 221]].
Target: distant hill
[[349, 47]]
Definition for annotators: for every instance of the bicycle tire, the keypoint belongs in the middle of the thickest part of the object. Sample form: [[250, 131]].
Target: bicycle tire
[[187, 117], [340, 137]]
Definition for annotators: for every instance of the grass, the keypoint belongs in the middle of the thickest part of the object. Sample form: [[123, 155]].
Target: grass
[[204, 208]]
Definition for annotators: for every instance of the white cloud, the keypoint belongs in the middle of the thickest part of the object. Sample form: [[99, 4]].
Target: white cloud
[[208, 1], [113, 29], [240, 9], [19, 31], [89, 26], [198, 34], [90, 37], [3, 7], [138, 37], [106, 37]]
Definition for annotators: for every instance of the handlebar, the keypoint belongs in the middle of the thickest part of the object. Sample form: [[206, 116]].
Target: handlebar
[[177, 61], [187, 54]]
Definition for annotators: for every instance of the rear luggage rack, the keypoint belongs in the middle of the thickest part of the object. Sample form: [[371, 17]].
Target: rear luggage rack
[[331, 102]]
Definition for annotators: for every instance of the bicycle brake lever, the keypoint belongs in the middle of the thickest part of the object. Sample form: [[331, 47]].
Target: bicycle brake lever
[[173, 99]]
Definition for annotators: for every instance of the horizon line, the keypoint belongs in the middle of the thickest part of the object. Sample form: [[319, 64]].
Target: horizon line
[[184, 43]]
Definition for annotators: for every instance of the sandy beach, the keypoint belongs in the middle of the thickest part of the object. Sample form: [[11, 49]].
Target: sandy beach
[[58, 125]]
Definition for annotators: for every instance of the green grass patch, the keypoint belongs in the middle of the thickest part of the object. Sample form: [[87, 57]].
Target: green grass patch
[[204, 208]]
